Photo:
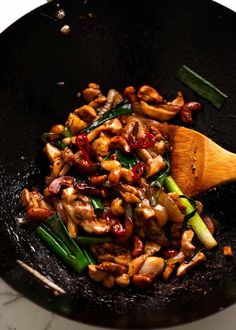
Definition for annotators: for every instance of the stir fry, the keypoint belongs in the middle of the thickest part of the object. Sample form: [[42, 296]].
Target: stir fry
[[110, 204]]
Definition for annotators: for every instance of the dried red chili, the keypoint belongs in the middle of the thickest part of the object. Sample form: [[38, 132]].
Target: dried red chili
[[138, 247], [138, 170], [146, 141], [82, 143], [122, 233]]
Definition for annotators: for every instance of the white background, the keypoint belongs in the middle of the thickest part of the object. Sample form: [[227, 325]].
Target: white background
[[18, 313]]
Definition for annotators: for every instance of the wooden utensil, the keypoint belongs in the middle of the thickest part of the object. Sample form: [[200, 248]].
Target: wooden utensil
[[197, 163]]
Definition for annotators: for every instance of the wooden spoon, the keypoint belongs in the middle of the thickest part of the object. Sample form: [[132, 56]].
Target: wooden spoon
[[197, 163]]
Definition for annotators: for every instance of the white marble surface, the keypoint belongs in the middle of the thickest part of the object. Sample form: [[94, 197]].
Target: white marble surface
[[17, 312]]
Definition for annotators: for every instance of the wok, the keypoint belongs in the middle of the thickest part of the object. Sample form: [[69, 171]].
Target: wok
[[115, 43]]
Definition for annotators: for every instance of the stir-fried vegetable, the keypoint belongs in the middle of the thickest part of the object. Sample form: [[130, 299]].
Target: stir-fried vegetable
[[124, 109], [97, 203], [127, 160], [195, 221], [109, 204], [78, 262], [89, 240], [201, 86]]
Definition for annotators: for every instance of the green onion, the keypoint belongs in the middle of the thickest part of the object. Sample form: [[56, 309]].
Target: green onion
[[89, 257], [124, 109], [195, 221], [201, 86], [58, 227], [128, 161], [66, 133], [89, 240], [60, 250], [96, 203]]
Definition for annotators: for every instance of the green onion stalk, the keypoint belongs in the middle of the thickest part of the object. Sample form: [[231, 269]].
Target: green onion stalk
[[195, 221]]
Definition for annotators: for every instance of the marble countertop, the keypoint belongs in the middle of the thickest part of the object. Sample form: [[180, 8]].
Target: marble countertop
[[17, 312]]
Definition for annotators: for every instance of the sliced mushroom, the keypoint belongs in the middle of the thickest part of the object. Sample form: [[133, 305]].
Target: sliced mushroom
[[162, 112], [149, 94], [113, 125], [196, 260], [186, 243]]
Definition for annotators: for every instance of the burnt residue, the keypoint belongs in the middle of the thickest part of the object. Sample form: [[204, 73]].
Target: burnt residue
[[125, 43]]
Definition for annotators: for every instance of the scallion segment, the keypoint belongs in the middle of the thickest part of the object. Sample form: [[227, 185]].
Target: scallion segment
[[128, 161], [201, 86], [195, 221], [56, 236], [89, 240], [97, 204], [124, 109], [62, 252]]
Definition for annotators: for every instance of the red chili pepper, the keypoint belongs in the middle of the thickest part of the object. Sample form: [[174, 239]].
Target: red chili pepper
[[169, 253], [138, 170], [138, 247], [82, 143], [145, 142], [123, 233]]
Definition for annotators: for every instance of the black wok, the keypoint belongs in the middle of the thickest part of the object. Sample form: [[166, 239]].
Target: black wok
[[117, 44]]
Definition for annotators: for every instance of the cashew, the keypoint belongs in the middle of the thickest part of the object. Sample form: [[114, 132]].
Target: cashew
[[96, 275], [168, 271], [97, 180], [152, 248], [110, 165], [196, 260], [100, 100], [123, 259], [38, 214], [121, 173], [109, 281], [179, 100], [143, 281], [112, 268], [28, 200], [117, 206]]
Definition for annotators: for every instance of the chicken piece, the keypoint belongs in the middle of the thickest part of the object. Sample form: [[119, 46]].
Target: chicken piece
[[136, 264], [95, 226], [95, 274], [101, 145], [120, 143], [52, 152], [86, 113], [92, 92], [172, 209], [75, 124], [154, 165]]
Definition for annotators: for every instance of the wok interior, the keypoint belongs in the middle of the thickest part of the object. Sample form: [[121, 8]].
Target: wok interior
[[118, 46]]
